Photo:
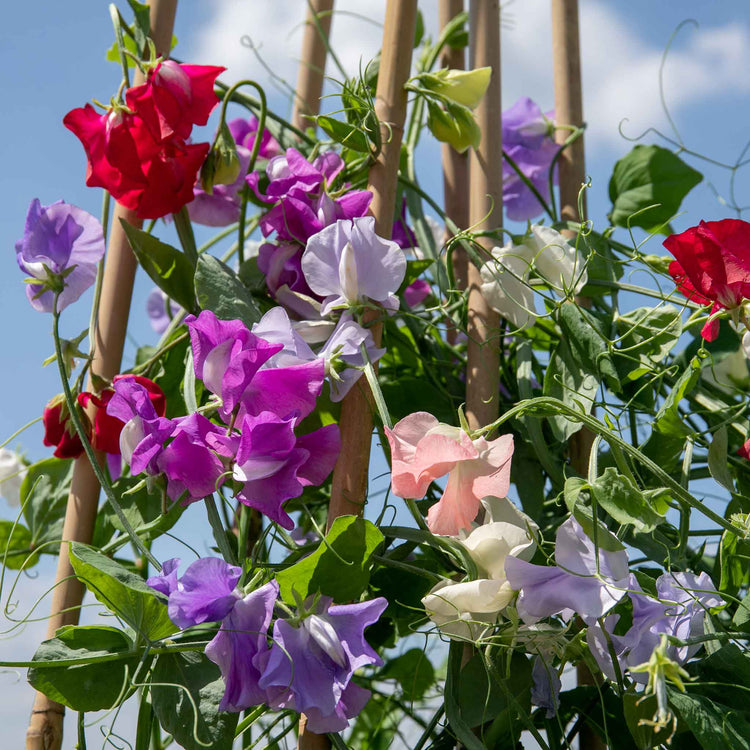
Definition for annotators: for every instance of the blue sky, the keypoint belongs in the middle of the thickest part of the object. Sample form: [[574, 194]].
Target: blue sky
[[54, 61]]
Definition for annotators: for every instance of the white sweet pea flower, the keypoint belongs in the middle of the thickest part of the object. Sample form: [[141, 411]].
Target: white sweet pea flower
[[556, 260], [12, 473], [464, 610]]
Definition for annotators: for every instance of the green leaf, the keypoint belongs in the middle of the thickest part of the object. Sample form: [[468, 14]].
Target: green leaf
[[339, 568], [566, 380], [15, 546], [577, 505], [718, 462], [741, 619], [344, 133], [414, 269], [413, 671], [585, 336], [186, 691], [122, 592], [713, 724], [460, 726], [626, 503], [649, 176], [219, 289], [647, 335], [734, 552], [44, 497], [85, 687], [168, 268]]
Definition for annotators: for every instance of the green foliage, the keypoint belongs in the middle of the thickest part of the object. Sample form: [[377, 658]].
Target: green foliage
[[122, 592], [413, 671], [16, 546], [339, 568], [219, 289], [100, 684], [648, 186], [168, 268], [186, 691], [344, 133]]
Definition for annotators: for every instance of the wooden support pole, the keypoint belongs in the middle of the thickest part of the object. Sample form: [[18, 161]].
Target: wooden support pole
[[485, 213], [349, 487], [455, 165], [312, 63], [46, 724]]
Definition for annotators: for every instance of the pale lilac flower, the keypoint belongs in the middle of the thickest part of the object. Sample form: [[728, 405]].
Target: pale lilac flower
[[66, 240], [156, 309], [310, 667], [240, 648], [545, 691], [572, 586], [276, 328], [347, 263]]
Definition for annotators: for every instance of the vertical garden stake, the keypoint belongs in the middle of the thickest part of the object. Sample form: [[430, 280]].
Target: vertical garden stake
[[349, 486], [455, 165], [312, 63], [485, 213], [566, 61], [45, 726]]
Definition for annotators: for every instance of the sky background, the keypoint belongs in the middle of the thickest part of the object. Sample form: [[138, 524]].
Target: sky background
[[52, 59]]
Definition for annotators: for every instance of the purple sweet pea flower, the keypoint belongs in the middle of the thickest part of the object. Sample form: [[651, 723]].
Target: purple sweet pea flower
[[572, 585], [275, 465], [417, 292], [527, 140], [344, 347], [402, 234], [156, 309], [145, 432], [310, 667], [276, 328], [189, 463], [545, 692], [206, 591], [282, 266], [240, 648], [63, 238], [347, 263], [226, 355], [244, 131]]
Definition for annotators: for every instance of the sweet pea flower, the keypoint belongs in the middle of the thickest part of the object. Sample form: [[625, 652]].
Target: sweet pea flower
[[423, 450], [463, 610], [576, 584], [156, 308], [527, 140], [347, 263], [59, 430], [712, 266], [61, 247], [12, 474], [310, 667]]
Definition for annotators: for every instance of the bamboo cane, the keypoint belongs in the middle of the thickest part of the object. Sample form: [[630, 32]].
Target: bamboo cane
[[566, 61], [349, 486], [455, 165], [46, 723], [313, 63], [485, 213]]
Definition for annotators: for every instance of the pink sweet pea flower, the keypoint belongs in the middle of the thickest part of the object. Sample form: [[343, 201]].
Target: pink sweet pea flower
[[712, 266], [423, 450]]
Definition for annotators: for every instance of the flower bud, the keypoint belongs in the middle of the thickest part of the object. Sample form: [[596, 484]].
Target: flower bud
[[222, 165], [455, 126], [466, 87]]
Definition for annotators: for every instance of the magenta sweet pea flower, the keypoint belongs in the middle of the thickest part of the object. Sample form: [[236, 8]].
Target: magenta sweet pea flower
[[423, 450], [62, 240], [310, 667], [347, 263], [240, 648], [572, 586], [282, 266]]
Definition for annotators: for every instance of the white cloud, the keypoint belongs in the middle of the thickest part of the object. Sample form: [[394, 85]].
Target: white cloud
[[620, 70]]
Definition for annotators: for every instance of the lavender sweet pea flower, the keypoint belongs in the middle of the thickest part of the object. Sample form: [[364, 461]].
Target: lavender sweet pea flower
[[276, 328], [344, 347], [310, 668], [348, 263], [68, 241], [571, 586], [240, 648], [545, 692], [145, 432], [156, 309], [524, 124], [166, 581]]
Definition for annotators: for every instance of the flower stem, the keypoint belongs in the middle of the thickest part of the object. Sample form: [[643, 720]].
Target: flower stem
[[220, 534]]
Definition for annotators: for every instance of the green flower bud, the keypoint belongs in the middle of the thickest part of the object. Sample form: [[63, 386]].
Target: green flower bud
[[222, 165], [455, 126], [466, 87]]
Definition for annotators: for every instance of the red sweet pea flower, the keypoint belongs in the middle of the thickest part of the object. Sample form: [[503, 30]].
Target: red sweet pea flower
[[712, 266], [175, 97], [150, 177], [59, 430], [107, 429]]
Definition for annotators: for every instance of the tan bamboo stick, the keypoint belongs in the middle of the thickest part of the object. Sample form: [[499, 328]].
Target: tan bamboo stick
[[313, 63], [46, 724], [455, 165], [349, 486], [566, 61], [485, 213]]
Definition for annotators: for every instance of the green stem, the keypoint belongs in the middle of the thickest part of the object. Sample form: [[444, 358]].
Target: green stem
[[185, 233], [377, 393], [220, 534], [80, 430], [115, 15]]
